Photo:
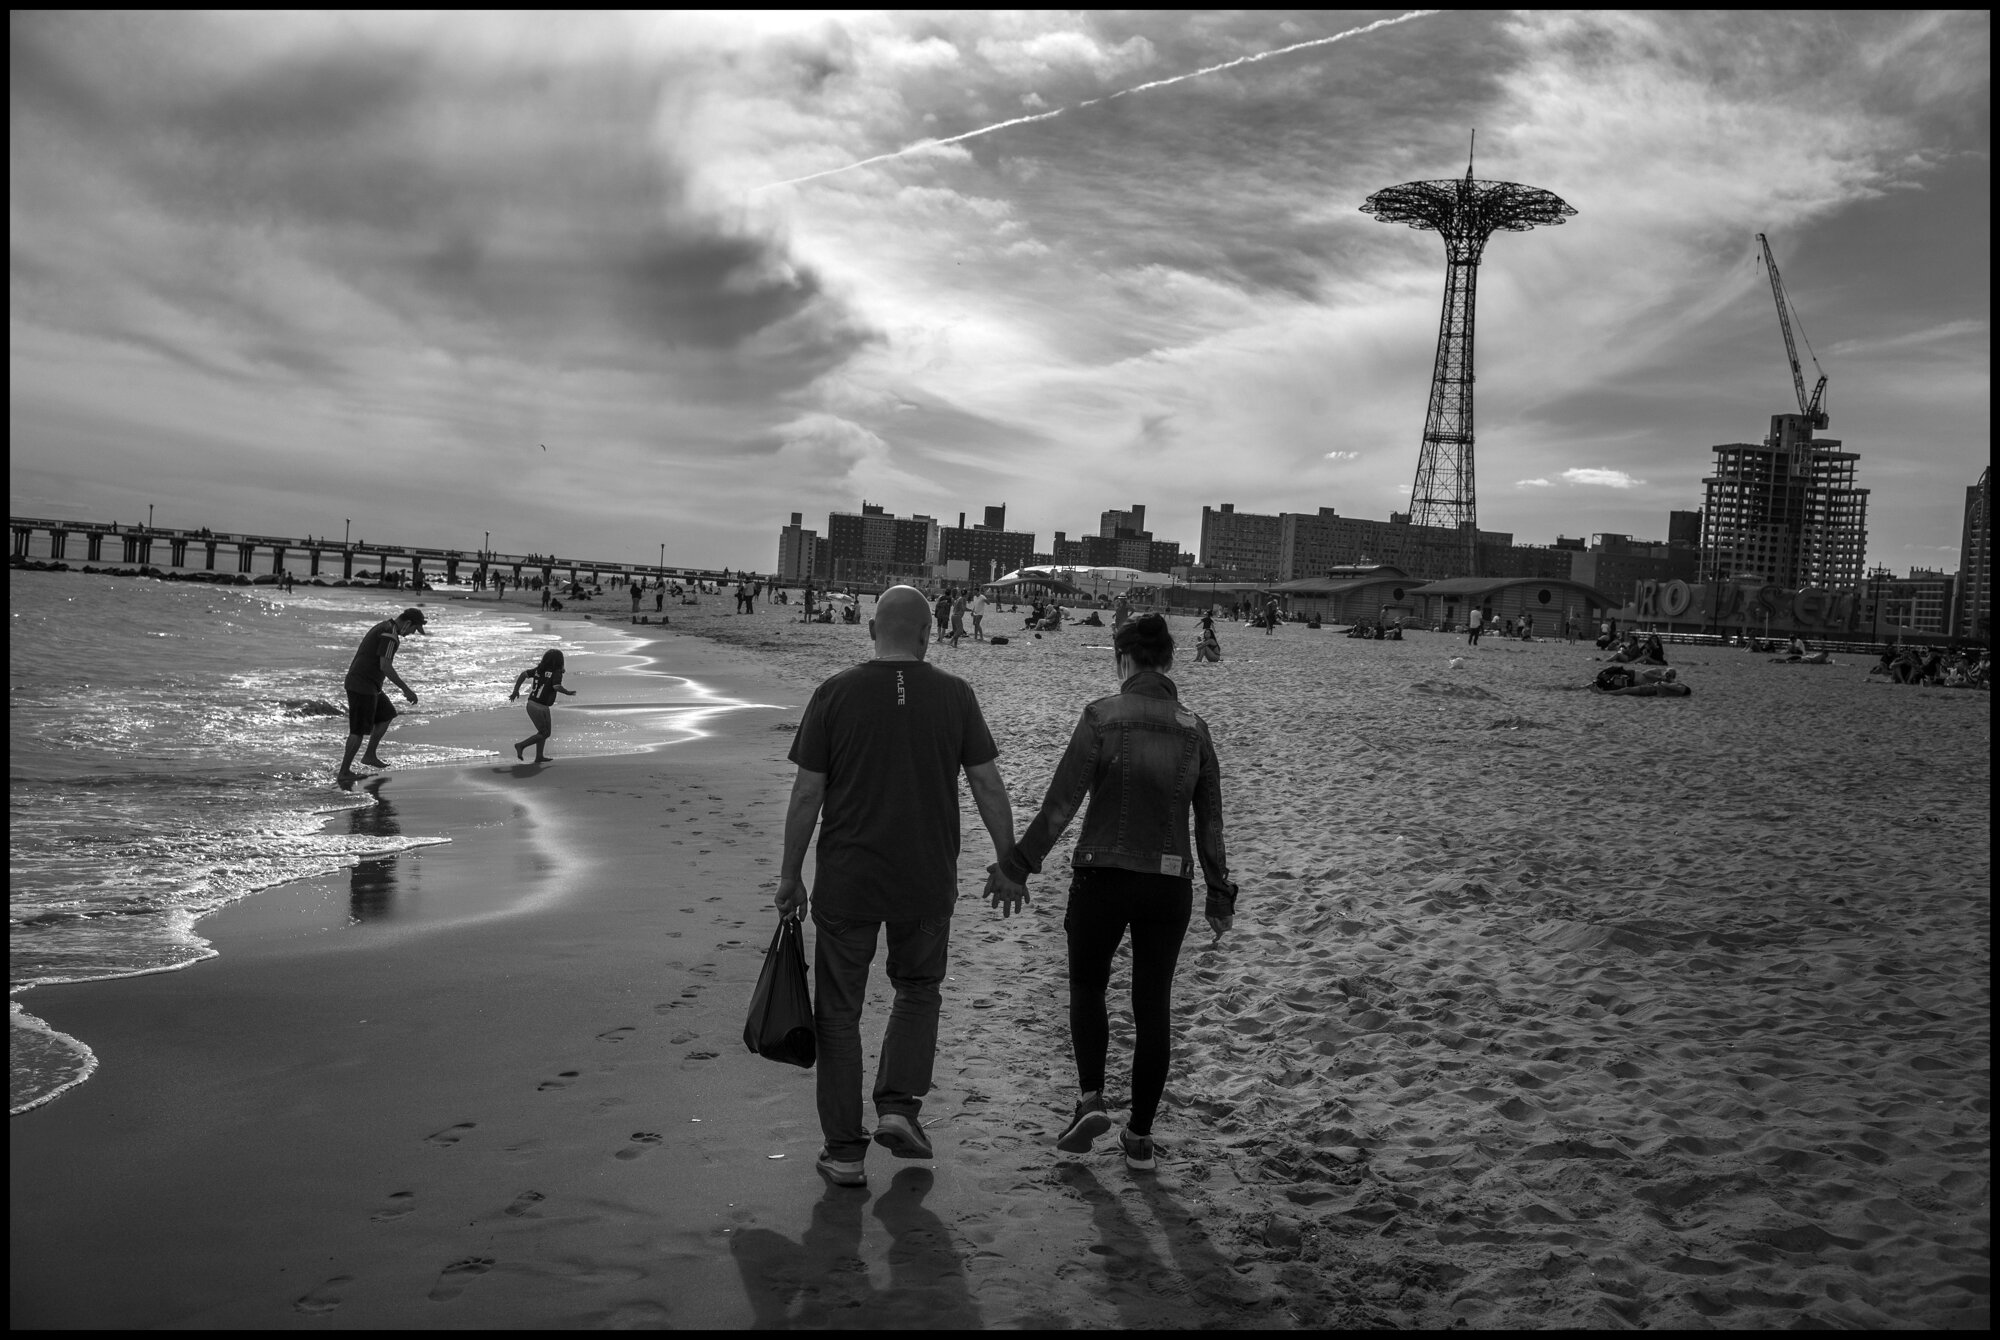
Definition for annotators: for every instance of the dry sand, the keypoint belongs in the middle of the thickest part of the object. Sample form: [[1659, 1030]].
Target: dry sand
[[1639, 1012]]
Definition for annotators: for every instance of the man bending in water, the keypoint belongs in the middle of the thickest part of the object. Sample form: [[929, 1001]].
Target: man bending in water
[[369, 710]]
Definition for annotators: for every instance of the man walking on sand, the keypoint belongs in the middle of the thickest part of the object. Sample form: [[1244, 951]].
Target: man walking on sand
[[879, 751], [369, 710]]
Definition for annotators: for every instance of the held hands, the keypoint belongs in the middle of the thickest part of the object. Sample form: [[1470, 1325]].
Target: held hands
[[409, 695], [790, 899], [1003, 893]]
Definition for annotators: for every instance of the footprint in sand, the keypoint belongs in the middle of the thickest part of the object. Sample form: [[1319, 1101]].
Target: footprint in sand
[[683, 1036], [701, 1056], [617, 1034], [665, 1006], [450, 1135], [452, 1280], [562, 1081], [642, 1144], [524, 1206], [399, 1204], [322, 1298]]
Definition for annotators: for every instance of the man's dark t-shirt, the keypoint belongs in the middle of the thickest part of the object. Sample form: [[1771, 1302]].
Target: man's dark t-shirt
[[891, 737], [366, 671]]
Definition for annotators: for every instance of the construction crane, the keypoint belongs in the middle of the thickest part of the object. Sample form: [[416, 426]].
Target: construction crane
[[1810, 408]]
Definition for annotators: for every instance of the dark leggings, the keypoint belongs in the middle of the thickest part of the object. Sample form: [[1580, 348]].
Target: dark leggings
[[1102, 903]]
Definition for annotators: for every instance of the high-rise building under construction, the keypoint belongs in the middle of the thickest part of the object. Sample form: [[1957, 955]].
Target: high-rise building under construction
[[1786, 512]]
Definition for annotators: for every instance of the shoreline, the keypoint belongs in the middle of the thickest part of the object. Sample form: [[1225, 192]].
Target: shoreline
[[1609, 1061], [461, 731]]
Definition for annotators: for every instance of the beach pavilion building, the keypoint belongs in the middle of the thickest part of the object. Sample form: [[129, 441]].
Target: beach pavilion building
[[1546, 600], [1349, 595]]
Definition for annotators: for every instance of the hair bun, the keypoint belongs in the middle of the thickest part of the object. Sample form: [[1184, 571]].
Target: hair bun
[[1147, 640]]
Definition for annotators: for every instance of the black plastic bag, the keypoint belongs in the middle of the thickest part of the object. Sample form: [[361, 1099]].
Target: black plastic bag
[[780, 1027]]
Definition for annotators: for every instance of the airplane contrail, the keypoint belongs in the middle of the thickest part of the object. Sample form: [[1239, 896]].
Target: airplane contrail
[[922, 145]]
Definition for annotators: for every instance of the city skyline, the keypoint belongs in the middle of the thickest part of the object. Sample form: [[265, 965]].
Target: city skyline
[[277, 270]]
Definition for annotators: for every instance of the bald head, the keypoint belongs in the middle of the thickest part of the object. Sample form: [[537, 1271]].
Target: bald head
[[902, 622]]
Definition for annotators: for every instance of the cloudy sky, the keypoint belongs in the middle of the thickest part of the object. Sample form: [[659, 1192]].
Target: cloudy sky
[[274, 271]]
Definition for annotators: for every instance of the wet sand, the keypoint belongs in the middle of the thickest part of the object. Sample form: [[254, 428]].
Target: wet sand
[[1638, 1012]]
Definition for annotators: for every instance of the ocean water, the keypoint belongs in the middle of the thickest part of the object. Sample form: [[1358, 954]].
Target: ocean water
[[172, 750]]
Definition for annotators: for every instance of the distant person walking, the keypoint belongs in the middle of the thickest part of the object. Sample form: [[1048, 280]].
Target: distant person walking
[[369, 710], [957, 616], [878, 751], [942, 611], [978, 610], [541, 700], [1270, 615], [545, 594], [1144, 760], [1120, 613], [1473, 619]]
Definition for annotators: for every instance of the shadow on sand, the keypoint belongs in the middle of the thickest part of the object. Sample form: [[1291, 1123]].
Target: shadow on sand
[[823, 1279]]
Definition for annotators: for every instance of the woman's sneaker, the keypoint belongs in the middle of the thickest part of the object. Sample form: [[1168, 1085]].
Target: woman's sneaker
[[841, 1173], [1091, 1120], [1138, 1151]]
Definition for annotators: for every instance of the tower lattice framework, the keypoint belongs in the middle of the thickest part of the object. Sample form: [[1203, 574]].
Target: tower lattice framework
[[1466, 212]]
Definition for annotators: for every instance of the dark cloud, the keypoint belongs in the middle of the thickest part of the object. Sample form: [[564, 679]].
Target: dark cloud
[[502, 208]]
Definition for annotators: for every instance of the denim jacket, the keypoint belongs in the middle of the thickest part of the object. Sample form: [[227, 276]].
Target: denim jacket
[[1143, 759]]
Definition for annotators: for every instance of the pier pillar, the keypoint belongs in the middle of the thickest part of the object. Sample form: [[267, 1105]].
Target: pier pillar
[[21, 536], [347, 565], [572, 574], [244, 552], [451, 570], [313, 558], [277, 558], [517, 577], [416, 571], [142, 550], [58, 541], [177, 553], [383, 575], [209, 563]]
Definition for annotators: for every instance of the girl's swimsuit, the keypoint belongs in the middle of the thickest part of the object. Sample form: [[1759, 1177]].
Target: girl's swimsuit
[[542, 689]]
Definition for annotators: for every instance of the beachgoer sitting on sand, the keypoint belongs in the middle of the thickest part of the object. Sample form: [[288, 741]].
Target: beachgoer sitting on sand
[[1132, 870], [1093, 619], [1652, 653], [850, 614], [542, 693], [1207, 646]]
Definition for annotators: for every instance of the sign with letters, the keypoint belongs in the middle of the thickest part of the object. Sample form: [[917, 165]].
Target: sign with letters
[[1734, 604]]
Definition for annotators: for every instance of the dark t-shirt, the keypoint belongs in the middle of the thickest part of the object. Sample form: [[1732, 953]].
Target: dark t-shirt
[[891, 737], [542, 688], [366, 671]]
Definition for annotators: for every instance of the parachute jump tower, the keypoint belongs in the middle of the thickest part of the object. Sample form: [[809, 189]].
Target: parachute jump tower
[[1466, 212]]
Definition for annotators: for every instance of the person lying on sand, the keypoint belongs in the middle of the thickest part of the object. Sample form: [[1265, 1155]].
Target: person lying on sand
[[878, 753], [1132, 870]]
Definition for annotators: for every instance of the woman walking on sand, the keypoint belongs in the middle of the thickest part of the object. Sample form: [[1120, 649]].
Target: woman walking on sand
[[1144, 760], [541, 698]]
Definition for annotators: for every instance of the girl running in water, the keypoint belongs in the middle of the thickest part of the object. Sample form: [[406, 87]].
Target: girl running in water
[[541, 697]]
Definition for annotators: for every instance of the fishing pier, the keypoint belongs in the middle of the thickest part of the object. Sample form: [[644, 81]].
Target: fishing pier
[[205, 550]]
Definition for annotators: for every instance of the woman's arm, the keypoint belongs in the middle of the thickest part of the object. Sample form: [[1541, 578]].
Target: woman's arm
[[561, 689], [1220, 908], [1066, 793], [518, 680]]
